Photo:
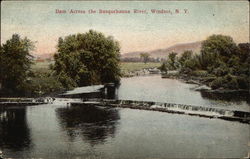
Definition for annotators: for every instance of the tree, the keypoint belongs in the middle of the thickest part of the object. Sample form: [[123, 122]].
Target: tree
[[244, 51], [216, 49], [145, 57], [86, 59], [15, 62], [172, 61], [187, 55], [226, 63], [163, 67]]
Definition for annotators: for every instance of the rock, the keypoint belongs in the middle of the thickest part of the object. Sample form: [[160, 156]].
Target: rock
[[154, 71], [173, 72], [192, 82], [164, 75], [202, 87]]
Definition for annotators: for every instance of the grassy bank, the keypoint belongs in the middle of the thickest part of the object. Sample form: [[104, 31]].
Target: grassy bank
[[127, 67]]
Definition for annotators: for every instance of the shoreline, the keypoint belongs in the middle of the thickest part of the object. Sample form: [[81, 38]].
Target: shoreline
[[202, 85], [142, 72]]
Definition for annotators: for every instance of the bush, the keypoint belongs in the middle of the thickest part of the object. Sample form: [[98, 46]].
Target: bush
[[243, 82], [200, 73], [217, 83], [163, 67], [229, 82], [185, 70], [233, 83], [191, 63], [221, 71], [42, 83]]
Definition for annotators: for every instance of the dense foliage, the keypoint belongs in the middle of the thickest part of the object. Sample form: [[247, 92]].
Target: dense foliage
[[17, 77], [171, 63], [43, 82], [221, 62], [86, 59], [15, 62]]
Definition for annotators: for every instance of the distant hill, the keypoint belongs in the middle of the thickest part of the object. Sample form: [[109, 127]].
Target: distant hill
[[159, 53], [163, 53]]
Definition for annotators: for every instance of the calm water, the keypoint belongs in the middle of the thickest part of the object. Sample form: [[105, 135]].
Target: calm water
[[60, 131], [154, 88]]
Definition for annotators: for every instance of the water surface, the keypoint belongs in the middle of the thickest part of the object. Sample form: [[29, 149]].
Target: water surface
[[61, 131], [155, 88]]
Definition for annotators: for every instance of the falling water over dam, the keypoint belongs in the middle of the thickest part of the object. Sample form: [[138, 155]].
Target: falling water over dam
[[209, 112]]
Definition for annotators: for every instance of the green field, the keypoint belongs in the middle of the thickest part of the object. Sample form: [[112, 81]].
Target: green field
[[125, 66], [41, 66]]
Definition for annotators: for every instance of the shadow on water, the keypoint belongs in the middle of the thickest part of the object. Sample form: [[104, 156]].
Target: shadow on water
[[227, 96], [94, 124], [14, 130]]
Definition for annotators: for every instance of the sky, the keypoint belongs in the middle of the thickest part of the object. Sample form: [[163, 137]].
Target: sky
[[39, 21]]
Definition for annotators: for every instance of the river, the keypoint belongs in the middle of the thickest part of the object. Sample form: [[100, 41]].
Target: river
[[61, 131]]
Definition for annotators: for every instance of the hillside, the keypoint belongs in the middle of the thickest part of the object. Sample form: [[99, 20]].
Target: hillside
[[163, 53], [159, 53]]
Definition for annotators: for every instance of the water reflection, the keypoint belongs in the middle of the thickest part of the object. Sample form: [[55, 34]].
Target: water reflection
[[227, 96], [93, 124], [14, 130]]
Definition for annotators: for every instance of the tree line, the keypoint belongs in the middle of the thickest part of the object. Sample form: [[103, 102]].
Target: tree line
[[81, 59], [93, 58], [221, 63]]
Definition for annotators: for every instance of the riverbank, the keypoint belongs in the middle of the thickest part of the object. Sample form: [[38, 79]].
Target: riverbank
[[203, 83], [143, 72]]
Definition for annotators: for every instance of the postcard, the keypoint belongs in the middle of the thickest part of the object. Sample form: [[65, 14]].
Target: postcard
[[124, 79]]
